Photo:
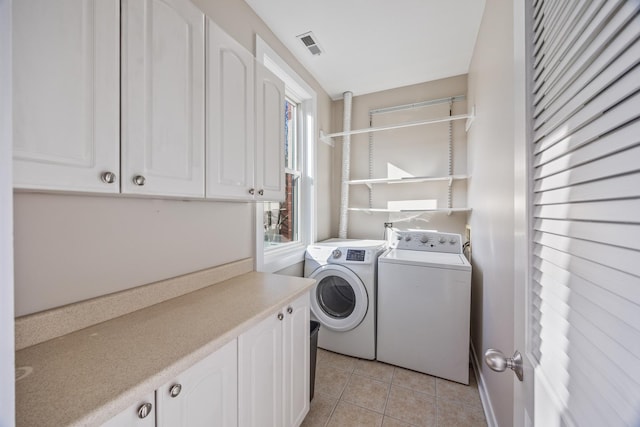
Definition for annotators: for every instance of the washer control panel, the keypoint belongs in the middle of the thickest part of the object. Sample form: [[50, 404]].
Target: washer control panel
[[429, 241], [342, 255]]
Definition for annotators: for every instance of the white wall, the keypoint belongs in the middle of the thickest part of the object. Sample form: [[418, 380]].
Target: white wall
[[420, 150], [73, 247], [7, 368], [491, 194]]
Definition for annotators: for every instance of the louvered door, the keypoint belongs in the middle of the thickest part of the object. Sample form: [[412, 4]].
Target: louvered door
[[584, 298]]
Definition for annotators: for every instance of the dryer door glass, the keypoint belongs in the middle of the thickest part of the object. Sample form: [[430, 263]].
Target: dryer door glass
[[336, 297], [339, 298]]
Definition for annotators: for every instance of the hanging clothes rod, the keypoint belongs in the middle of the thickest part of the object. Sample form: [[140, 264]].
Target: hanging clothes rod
[[326, 137], [415, 105]]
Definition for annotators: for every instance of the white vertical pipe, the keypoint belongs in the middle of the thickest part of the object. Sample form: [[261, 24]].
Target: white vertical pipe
[[450, 191], [346, 158]]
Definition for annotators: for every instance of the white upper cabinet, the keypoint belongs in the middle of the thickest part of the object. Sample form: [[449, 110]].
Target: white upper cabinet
[[230, 117], [111, 96], [269, 135], [66, 94], [162, 98]]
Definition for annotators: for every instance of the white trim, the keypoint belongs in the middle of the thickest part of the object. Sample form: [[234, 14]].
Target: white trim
[[281, 258], [523, 392], [485, 399], [270, 59], [278, 258], [7, 349]]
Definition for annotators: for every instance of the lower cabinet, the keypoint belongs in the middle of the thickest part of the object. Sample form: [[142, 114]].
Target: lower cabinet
[[260, 379], [203, 395], [273, 369], [140, 414]]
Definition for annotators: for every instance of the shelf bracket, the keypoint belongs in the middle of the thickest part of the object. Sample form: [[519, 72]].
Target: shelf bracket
[[326, 138], [470, 119], [450, 181]]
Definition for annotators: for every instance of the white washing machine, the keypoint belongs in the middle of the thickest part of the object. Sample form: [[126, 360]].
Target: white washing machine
[[424, 296], [343, 299]]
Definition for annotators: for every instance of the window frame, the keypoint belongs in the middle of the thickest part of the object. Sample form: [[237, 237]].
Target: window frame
[[286, 255], [296, 172]]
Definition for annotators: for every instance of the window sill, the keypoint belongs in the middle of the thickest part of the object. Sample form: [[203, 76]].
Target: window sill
[[276, 259]]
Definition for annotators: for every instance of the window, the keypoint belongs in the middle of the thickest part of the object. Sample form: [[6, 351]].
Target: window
[[283, 230], [281, 220]]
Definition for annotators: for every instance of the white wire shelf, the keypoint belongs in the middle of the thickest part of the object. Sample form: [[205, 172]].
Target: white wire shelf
[[405, 180], [445, 210], [327, 137]]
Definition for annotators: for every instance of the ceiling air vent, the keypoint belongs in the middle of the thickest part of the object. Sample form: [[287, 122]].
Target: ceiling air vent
[[310, 43]]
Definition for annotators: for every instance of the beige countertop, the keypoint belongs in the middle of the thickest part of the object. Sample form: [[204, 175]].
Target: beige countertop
[[88, 376]]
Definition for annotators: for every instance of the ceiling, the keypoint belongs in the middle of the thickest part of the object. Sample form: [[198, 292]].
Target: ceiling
[[372, 45]]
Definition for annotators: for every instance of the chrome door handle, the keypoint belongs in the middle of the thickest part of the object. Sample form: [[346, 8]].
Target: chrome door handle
[[497, 361], [175, 390], [139, 180], [144, 410], [108, 177]]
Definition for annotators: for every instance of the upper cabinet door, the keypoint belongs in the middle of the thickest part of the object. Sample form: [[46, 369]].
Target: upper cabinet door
[[269, 135], [230, 112], [162, 98], [66, 94]]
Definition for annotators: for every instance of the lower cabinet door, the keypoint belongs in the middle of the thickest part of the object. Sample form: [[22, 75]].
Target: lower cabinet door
[[203, 395], [296, 361], [273, 369], [260, 374], [140, 414]]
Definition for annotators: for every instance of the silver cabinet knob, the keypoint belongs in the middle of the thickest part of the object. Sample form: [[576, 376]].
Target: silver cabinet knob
[[289, 309], [497, 361], [108, 177], [261, 192], [144, 410], [280, 316], [175, 390], [252, 191], [139, 180]]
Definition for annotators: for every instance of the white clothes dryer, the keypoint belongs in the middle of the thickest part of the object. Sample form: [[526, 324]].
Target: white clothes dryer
[[424, 295], [343, 299]]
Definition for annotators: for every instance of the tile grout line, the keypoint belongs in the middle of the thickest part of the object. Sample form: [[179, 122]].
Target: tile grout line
[[340, 396], [372, 377], [436, 400], [386, 402]]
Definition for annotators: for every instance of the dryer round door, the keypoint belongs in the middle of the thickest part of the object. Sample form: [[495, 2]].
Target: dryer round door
[[339, 298]]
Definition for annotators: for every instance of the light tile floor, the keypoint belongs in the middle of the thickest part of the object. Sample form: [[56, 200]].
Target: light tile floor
[[351, 392]]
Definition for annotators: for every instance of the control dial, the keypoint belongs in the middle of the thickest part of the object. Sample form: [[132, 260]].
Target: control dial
[[452, 241], [407, 238], [442, 240], [337, 253], [424, 238]]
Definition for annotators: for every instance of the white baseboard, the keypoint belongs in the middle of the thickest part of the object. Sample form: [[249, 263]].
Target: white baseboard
[[482, 388]]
